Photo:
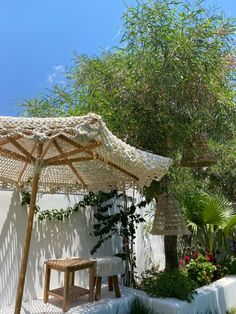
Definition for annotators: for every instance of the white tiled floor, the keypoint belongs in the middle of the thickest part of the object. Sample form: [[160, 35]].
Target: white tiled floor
[[108, 304]]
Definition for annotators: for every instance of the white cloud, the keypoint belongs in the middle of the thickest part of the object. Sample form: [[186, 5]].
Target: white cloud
[[57, 77]]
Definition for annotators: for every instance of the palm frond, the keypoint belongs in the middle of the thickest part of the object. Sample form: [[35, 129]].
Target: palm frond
[[231, 223], [211, 217], [212, 213], [217, 210]]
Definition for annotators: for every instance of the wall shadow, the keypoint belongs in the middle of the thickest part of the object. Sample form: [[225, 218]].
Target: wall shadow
[[11, 238], [50, 239]]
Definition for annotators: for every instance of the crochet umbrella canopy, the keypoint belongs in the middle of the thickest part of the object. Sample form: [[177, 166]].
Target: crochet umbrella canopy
[[69, 154]]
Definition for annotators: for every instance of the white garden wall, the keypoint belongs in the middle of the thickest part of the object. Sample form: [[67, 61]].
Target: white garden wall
[[54, 240]]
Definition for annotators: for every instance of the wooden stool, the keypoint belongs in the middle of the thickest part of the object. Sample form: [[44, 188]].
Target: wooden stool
[[109, 266], [69, 291]]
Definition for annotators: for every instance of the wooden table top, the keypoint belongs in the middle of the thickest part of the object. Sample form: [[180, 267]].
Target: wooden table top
[[70, 263]]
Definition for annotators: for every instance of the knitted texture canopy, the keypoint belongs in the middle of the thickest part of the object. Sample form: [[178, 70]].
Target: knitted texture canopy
[[77, 153]]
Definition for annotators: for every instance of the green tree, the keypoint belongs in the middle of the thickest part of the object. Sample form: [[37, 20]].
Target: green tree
[[172, 75]]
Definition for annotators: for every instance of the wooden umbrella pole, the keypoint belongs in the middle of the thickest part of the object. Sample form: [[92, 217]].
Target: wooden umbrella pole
[[21, 282]]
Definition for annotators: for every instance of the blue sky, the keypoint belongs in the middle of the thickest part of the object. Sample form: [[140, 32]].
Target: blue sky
[[38, 39]]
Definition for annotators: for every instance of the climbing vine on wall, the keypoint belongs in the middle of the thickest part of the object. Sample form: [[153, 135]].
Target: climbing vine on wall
[[58, 214], [121, 219]]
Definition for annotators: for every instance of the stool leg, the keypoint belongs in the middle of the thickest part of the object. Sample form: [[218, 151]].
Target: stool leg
[[110, 283], [116, 286], [94, 281], [46, 283], [91, 283], [72, 278], [66, 291], [98, 288]]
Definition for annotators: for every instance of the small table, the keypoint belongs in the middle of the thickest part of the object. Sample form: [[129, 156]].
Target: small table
[[69, 291]]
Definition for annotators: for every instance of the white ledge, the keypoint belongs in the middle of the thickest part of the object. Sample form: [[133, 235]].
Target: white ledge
[[216, 298]]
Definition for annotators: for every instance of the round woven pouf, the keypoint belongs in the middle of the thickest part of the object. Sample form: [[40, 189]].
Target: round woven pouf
[[111, 267]]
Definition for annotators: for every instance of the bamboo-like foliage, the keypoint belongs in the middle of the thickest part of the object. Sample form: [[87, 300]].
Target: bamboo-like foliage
[[172, 76]]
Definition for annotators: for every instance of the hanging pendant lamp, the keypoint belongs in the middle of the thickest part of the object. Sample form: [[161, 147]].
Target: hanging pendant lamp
[[196, 153], [168, 219]]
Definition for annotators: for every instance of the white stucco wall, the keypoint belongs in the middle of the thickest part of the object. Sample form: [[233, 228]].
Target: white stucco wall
[[54, 239]]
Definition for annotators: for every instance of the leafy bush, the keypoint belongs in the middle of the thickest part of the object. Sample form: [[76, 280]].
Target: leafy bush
[[229, 263], [201, 270], [232, 268], [232, 311], [207, 269], [173, 284], [139, 307]]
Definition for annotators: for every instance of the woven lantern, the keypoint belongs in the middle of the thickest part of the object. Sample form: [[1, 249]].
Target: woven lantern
[[168, 219], [196, 153]]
